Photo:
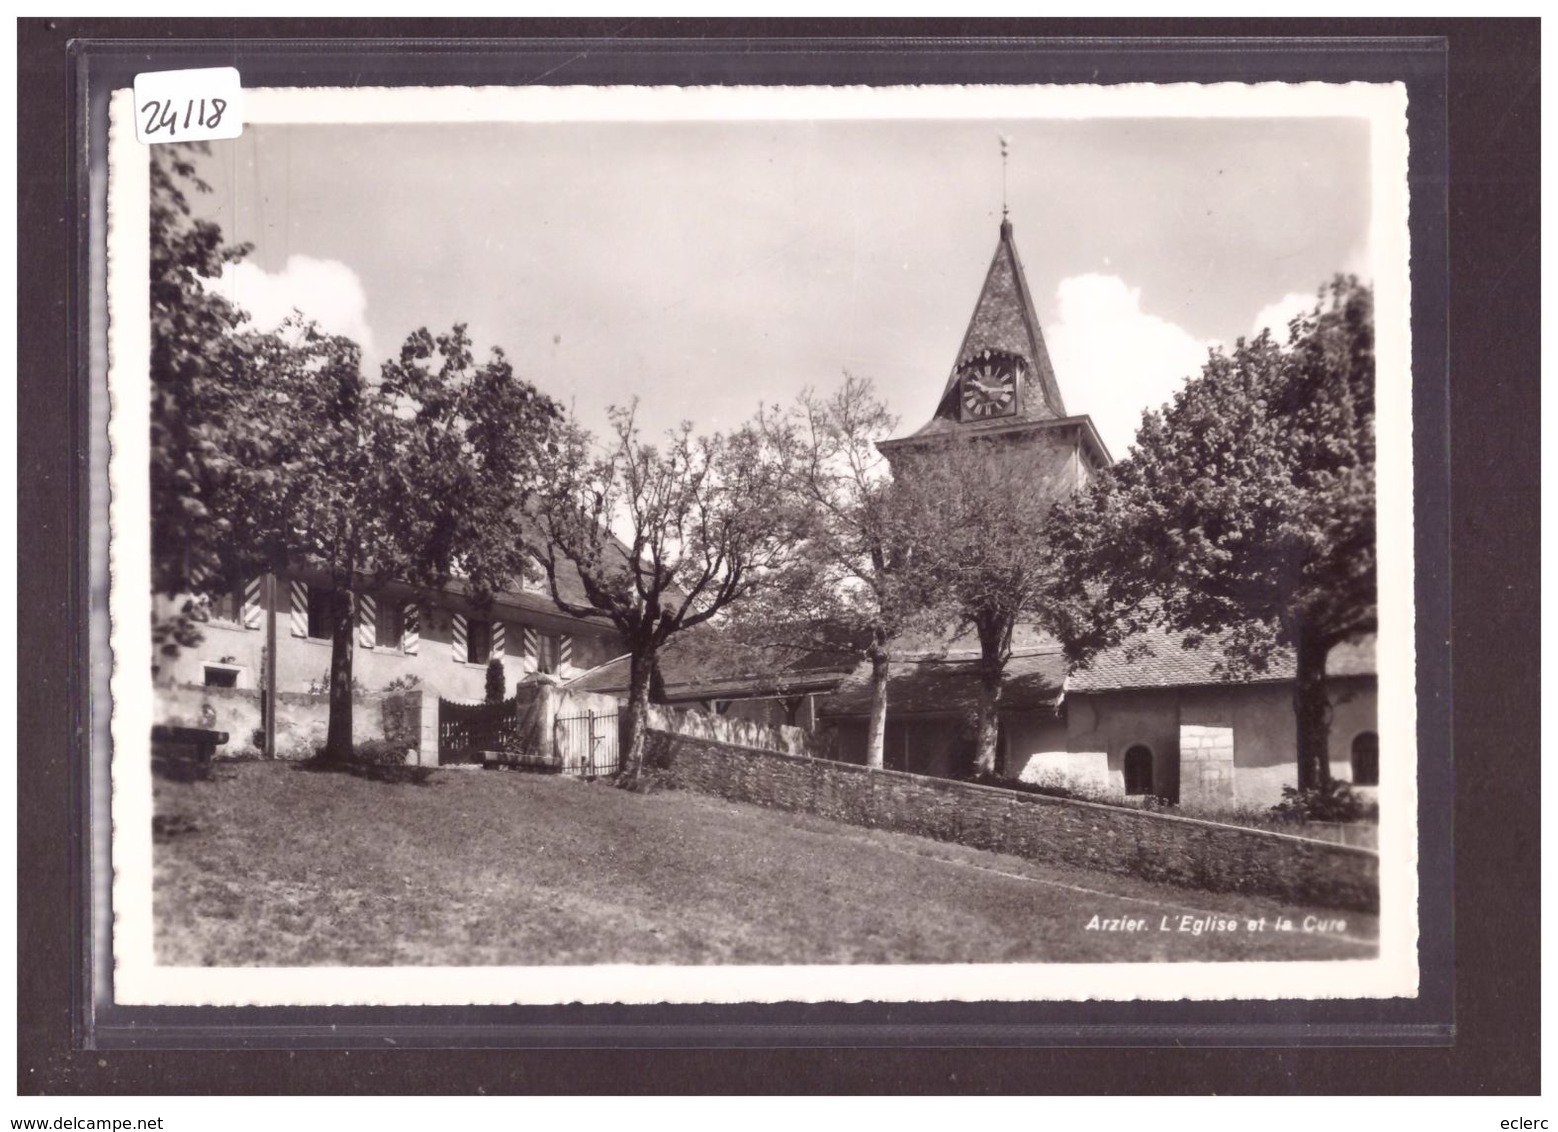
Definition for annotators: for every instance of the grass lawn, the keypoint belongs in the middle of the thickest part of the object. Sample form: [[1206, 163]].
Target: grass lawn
[[267, 865]]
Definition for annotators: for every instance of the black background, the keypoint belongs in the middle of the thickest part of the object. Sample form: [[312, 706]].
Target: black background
[[1493, 410]]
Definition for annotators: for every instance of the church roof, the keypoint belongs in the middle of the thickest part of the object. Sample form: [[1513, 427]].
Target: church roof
[[706, 664], [1167, 663], [949, 683], [1003, 321]]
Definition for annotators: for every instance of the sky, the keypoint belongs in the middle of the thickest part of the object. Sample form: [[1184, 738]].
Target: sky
[[708, 268]]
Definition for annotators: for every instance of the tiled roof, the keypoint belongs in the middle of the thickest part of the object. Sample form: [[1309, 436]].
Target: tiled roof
[[950, 683], [1167, 663], [537, 600], [709, 665]]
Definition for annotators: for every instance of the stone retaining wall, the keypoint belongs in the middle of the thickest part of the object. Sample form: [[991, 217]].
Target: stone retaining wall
[[302, 718], [1157, 847], [736, 732]]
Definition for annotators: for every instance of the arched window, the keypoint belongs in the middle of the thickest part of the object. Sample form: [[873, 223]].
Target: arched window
[[1138, 770], [1365, 759]]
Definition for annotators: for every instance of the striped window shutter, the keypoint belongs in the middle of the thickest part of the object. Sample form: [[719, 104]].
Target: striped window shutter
[[367, 620], [411, 629], [299, 592], [197, 578], [532, 659], [499, 639], [457, 638], [252, 612], [564, 654]]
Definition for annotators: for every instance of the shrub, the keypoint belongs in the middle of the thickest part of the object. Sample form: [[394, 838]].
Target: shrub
[[1335, 801], [494, 681], [378, 760], [407, 683], [379, 752]]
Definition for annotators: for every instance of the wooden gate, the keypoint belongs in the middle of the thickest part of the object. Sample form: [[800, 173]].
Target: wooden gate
[[588, 743], [467, 731]]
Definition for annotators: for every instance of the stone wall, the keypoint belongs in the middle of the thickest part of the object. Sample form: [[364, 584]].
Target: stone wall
[[302, 718], [1156, 847], [738, 732]]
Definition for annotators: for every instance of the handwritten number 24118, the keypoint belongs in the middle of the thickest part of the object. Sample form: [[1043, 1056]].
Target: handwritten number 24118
[[165, 116]]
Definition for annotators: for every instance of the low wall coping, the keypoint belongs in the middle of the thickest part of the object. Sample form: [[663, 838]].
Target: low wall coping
[[165, 733], [1026, 796]]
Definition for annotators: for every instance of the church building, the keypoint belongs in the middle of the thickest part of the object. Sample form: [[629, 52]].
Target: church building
[[1164, 725]]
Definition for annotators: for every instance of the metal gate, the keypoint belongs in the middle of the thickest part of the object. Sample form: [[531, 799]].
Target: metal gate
[[588, 744]]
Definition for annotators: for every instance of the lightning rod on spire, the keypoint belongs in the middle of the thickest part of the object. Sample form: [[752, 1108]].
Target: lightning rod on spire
[[1005, 145]]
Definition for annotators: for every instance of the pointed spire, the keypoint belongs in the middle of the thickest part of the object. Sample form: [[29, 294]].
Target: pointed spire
[[1004, 323]]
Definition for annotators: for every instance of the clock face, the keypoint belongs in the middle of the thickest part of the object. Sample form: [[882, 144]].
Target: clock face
[[988, 387]]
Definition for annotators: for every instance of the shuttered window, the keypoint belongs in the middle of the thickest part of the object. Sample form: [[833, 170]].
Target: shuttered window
[[389, 626]]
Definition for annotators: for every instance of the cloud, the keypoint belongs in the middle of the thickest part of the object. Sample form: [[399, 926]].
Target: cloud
[[1113, 359], [1277, 315], [325, 290]]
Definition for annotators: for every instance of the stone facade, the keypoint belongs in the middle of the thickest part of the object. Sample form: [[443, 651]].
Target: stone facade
[[429, 652], [1245, 740], [302, 719], [1156, 847], [1206, 764]]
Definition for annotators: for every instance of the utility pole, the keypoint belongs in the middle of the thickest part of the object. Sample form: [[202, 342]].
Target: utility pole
[[269, 704]]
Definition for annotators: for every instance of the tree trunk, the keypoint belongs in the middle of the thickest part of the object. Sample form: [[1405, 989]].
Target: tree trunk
[[876, 730], [1312, 708], [640, 669], [992, 670], [988, 716], [338, 738]]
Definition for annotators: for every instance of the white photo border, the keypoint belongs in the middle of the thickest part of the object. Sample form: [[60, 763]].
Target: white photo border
[[139, 980]]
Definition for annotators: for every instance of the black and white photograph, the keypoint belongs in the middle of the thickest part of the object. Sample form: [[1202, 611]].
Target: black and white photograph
[[764, 544]]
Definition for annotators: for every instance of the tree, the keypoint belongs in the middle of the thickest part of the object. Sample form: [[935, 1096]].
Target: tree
[[979, 511], [1244, 513], [849, 584], [196, 349], [663, 537], [411, 479], [493, 693]]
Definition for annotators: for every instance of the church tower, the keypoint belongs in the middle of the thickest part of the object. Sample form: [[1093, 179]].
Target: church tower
[[1002, 384]]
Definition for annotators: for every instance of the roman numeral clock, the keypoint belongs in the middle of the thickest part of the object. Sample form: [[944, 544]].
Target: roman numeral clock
[[988, 384]]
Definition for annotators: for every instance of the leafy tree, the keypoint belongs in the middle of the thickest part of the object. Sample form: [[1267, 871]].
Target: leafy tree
[[849, 587], [1244, 513], [196, 348], [411, 479], [979, 509], [663, 537]]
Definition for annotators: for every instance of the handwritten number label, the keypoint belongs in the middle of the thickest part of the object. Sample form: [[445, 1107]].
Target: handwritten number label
[[193, 105], [161, 121]]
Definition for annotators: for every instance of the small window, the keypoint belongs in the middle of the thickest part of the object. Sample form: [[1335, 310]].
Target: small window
[[389, 624], [227, 606], [478, 642], [221, 677], [1138, 770], [1365, 759], [319, 613]]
